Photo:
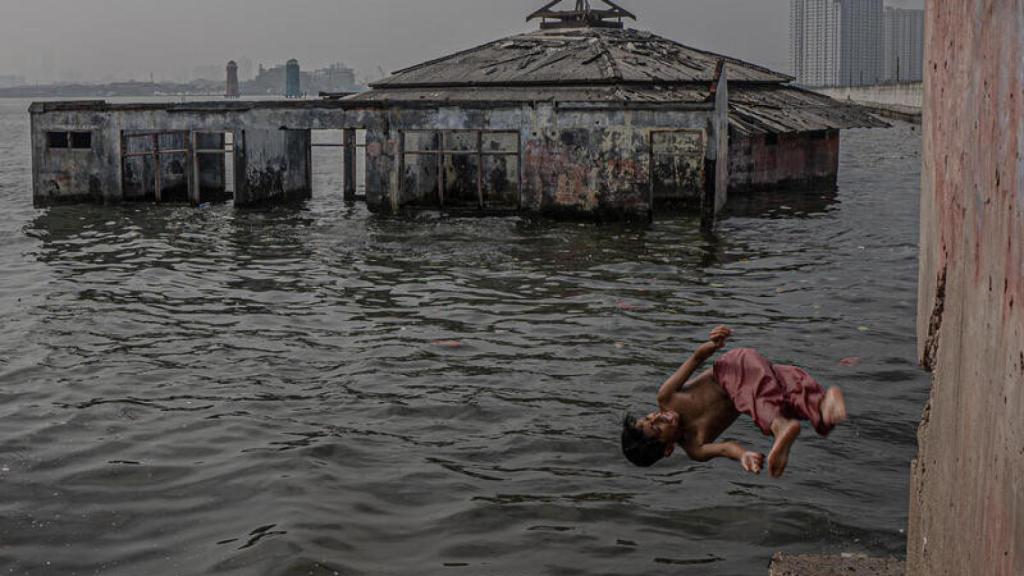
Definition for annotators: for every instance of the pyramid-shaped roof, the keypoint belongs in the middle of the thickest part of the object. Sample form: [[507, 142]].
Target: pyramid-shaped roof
[[580, 57]]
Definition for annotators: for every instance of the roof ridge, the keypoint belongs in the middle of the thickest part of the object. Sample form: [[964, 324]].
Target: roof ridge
[[606, 50]]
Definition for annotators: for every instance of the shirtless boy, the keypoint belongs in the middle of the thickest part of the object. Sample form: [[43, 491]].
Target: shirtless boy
[[694, 413]]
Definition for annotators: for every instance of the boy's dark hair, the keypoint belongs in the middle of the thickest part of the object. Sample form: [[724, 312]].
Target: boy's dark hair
[[638, 448]]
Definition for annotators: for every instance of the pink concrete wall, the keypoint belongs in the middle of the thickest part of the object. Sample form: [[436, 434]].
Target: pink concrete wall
[[967, 499]]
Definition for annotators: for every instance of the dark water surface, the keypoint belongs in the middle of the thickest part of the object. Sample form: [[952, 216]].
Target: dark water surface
[[212, 391]]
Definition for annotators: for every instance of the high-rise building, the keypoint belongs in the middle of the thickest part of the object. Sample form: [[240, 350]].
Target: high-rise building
[[904, 45], [837, 42], [814, 47]]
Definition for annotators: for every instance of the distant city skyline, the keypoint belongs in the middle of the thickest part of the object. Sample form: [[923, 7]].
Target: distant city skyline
[[855, 42], [43, 41]]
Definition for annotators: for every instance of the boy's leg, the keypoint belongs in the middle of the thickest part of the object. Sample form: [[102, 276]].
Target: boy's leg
[[833, 407], [755, 389], [786, 432], [805, 399]]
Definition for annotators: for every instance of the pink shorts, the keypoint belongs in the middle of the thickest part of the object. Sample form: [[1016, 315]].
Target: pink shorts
[[766, 391]]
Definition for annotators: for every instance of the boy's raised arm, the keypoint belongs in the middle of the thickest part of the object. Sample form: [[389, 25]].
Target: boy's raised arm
[[675, 382]]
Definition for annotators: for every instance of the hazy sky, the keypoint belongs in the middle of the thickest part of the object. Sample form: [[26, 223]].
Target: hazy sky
[[95, 40]]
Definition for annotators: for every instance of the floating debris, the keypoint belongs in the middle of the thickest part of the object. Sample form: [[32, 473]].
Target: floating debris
[[447, 343]]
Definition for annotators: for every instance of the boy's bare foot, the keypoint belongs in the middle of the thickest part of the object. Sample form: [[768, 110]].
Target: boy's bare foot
[[786, 432], [833, 407]]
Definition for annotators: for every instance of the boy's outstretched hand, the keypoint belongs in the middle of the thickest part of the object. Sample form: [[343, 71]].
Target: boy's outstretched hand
[[752, 462], [720, 335]]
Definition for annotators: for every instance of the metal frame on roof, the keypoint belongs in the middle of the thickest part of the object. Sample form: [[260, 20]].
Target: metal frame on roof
[[584, 16]]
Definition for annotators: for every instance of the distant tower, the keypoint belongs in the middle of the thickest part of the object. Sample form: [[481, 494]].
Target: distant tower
[[232, 85], [293, 79]]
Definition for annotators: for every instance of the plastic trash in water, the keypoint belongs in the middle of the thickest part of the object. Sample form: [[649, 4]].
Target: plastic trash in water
[[447, 343], [850, 362]]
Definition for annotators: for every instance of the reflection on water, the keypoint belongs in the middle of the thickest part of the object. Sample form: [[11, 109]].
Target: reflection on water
[[313, 390]]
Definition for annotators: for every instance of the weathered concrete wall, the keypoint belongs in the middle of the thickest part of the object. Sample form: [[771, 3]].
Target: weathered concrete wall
[[275, 166], [967, 500], [592, 160], [584, 160], [910, 95], [95, 175], [807, 160], [67, 175]]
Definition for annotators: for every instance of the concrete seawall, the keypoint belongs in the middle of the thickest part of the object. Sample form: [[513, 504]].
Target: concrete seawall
[[899, 101], [909, 95], [967, 490]]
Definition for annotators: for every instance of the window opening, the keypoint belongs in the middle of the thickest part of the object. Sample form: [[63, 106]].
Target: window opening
[[214, 164], [328, 160], [461, 169], [56, 139], [177, 166], [81, 140]]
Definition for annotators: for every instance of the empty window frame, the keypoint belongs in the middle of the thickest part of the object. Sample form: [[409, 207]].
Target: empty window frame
[[155, 166], [344, 150], [69, 139], [57, 140], [214, 165], [81, 140], [328, 160], [461, 168]]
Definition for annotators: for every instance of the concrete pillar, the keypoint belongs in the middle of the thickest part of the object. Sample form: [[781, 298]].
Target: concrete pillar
[[967, 490], [349, 140], [716, 162]]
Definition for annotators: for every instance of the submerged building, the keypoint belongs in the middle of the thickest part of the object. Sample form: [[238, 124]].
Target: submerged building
[[583, 117]]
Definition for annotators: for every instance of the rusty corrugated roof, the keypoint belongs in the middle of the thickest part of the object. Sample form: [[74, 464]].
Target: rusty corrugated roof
[[585, 56]]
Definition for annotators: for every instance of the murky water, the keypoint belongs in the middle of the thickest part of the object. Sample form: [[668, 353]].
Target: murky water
[[316, 390]]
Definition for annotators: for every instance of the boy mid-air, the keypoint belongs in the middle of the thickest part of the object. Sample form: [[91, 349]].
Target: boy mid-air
[[694, 413]]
